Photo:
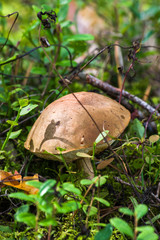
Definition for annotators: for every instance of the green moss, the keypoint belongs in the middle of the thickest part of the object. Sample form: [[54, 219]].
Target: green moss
[[116, 235], [26, 235]]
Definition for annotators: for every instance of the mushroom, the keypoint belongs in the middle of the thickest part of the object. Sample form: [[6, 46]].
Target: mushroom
[[65, 124]]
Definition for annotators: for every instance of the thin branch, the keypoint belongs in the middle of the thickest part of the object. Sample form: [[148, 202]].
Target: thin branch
[[32, 50], [113, 91]]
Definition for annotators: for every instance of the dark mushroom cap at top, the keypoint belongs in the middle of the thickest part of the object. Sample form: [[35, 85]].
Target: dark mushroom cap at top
[[65, 124]]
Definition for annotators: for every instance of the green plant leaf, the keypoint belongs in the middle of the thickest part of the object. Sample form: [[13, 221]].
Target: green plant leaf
[[46, 7], [86, 182], [21, 209], [48, 222], [134, 201], [71, 188], [36, 9], [137, 129], [15, 91], [145, 229], [9, 59], [12, 123], [122, 226], [149, 160], [46, 186], [63, 11], [93, 210], [28, 109], [46, 204], [126, 211], [71, 206], [101, 135], [147, 236], [23, 102], [34, 183], [23, 196], [141, 210], [67, 207], [27, 218], [150, 12], [15, 134], [105, 233], [101, 200], [100, 182], [81, 37]]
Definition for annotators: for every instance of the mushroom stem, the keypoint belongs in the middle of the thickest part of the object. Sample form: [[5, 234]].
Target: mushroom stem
[[85, 165]]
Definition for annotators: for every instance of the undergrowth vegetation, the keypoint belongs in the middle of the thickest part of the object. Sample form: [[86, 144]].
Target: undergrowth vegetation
[[44, 49]]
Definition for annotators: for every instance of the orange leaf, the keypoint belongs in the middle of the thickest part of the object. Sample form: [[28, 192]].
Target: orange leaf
[[7, 178]]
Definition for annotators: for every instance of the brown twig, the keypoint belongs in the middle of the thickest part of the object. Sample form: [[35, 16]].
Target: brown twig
[[114, 92], [27, 73]]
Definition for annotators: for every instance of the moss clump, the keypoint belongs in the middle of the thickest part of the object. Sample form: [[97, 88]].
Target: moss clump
[[26, 235], [116, 235]]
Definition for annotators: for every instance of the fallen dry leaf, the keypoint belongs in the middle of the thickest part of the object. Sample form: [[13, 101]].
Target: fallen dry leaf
[[104, 163], [15, 180]]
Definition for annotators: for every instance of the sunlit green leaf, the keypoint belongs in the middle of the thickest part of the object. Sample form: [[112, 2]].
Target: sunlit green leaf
[[23, 102], [122, 226], [147, 236], [86, 182], [101, 136], [126, 211], [50, 221], [22, 196], [101, 200], [145, 228], [46, 186], [71, 188], [12, 123], [101, 181], [28, 109], [15, 134], [140, 210], [9, 59]]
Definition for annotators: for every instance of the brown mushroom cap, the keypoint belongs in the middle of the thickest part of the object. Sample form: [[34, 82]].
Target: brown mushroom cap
[[65, 124]]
